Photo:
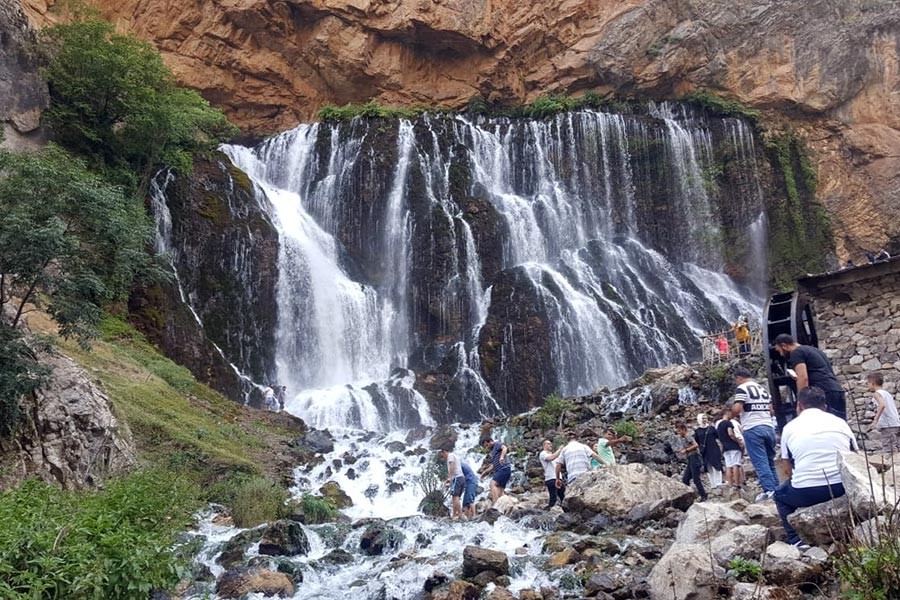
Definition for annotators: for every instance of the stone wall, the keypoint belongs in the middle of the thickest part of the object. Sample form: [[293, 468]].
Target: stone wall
[[859, 329]]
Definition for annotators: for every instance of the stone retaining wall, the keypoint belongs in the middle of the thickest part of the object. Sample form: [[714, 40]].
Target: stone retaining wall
[[859, 329]]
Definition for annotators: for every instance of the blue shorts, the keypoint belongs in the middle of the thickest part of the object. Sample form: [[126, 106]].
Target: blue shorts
[[471, 491], [502, 476], [458, 486]]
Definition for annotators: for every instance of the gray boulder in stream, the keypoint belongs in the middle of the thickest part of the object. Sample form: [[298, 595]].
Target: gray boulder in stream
[[478, 560], [284, 538]]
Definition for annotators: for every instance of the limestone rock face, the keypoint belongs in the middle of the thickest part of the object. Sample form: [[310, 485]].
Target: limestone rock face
[[70, 434], [23, 93], [617, 490], [829, 67], [746, 541], [868, 491], [822, 524]]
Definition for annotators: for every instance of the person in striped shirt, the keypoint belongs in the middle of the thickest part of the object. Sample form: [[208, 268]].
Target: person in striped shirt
[[575, 458]]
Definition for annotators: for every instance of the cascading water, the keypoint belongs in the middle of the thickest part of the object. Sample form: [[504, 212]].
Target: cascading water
[[394, 232]]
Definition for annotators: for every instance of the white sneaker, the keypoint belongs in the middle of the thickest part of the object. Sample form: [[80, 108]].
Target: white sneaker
[[763, 496]]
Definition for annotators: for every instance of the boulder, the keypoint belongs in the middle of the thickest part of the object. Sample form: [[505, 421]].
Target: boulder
[[782, 566], [69, 435], [501, 593], [254, 580], [284, 538], [339, 498], [379, 537], [746, 541], [685, 572], [615, 491], [822, 524], [234, 549], [444, 438], [435, 580], [476, 560], [569, 556], [338, 556], [870, 492], [705, 520], [505, 504], [456, 590], [315, 441], [752, 591], [762, 513], [869, 532]]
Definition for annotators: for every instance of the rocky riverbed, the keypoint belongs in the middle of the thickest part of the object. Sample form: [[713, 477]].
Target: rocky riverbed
[[631, 531]]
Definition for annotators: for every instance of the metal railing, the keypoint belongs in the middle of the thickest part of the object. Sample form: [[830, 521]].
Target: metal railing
[[723, 345]]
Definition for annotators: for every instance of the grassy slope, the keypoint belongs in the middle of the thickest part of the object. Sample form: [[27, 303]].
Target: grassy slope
[[178, 423]]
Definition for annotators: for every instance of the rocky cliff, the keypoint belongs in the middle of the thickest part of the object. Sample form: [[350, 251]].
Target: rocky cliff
[[23, 94], [827, 67]]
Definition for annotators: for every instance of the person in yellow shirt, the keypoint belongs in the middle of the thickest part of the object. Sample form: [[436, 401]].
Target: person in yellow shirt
[[742, 334]]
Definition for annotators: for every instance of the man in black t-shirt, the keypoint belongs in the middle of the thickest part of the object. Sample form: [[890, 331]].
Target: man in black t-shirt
[[813, 370], [732, 448]]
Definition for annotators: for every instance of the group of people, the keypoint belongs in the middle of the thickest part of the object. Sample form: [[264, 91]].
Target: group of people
[[274, 397], [718, 447], [881, 256], [463, 483]]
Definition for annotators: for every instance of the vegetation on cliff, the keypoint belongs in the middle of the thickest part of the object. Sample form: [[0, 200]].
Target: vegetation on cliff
[[113, 100]]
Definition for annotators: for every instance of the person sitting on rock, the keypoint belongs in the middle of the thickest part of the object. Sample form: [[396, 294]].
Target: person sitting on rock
[[810, 443], [456, 481], [690, 449], [548, 458], [575, 458], [887, 420], [604, 448], [753, 405], [499, 466]]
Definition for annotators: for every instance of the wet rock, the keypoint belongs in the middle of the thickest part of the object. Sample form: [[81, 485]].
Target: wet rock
[[291, 569], [338, 556], [603, 584], [444, 438], [476, 560], [593, 526], [530, 595], [201, 572], [395, 446], [332, 490], [394, 487], [506, 504], [705, 520], [501, 593], [822, 524], [378, 538], [685, 572], [485, 578], [456, 590], [234, 549], [351, 474], [569, 556], [433, 505], [647, 511], [315, 441], [616, 491], [235, 583], [746, 541], [284, 538], [435, 580]]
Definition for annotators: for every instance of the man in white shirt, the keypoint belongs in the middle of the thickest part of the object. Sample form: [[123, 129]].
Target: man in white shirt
[[456, 481], [753, 404], [548, 463], [576, 458], [810, 444]]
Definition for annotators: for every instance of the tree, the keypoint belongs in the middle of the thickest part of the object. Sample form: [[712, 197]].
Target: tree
[[68, 239], [20, 374], [114, 100]]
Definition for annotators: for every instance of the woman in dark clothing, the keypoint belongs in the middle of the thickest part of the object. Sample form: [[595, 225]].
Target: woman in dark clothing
[[708, 440]]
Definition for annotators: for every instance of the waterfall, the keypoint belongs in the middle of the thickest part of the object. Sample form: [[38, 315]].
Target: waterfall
[[395, 232]]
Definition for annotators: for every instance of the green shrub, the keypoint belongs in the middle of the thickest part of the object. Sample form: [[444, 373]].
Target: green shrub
[[745, 570], [116, 543], [317, 509], [20, 374], [548, 415], [369, 110], [251, 499], [628, 428], [724, 107], [869, 567], [113, 99]]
